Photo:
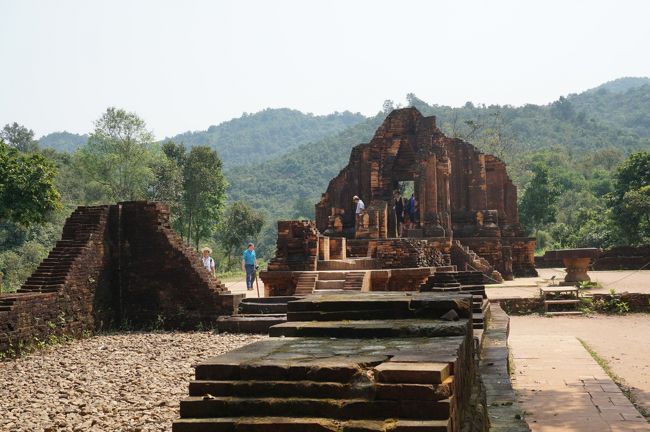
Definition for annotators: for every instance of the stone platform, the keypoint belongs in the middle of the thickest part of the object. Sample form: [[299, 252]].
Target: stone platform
[[360, 362]]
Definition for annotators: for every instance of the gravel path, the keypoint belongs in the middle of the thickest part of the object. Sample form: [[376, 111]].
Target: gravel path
[[124, 382]]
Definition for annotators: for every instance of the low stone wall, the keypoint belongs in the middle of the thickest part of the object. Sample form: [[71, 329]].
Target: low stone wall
[[503, 412], [623, 258], [637, 302]]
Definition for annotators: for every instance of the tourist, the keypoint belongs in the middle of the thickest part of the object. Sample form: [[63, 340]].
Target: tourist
[[249, 265], [412, 210], [360, 205], [208, 262], [398, 208]]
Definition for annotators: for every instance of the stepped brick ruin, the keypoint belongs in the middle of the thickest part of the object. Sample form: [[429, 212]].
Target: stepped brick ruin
[[114, 265], [467, 217]]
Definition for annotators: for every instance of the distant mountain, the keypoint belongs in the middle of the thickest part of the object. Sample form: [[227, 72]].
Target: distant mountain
[[263, 135], [621, 85], [623, 104], [63, 141], [277, 184]]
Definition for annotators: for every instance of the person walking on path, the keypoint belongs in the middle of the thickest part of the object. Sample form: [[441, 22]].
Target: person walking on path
[[249, 265], [208, 262]]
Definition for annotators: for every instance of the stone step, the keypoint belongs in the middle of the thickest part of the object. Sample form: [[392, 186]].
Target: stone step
[[307, 424], [249, 323], [308, 389], [275, 299], [396, 305], [262, 308], [331, 275], [359, 389], [330, 284], [563, 301], [372, 328], [343, 409], [564, 313]]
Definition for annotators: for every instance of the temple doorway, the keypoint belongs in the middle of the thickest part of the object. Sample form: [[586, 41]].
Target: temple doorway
[[401, 218]]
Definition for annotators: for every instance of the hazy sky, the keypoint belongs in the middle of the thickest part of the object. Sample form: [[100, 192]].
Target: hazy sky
[[184, 65]]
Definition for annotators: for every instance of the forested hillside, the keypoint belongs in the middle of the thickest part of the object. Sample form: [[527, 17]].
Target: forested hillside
[[63, 141], [263, 135]]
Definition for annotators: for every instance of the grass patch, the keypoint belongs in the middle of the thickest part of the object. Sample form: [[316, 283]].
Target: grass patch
[[620, 382]]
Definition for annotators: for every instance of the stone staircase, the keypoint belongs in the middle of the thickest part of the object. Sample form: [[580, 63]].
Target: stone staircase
[[53, 272], [470, 282], [306, 283], [323, 282], [362, 363], [463, 255]]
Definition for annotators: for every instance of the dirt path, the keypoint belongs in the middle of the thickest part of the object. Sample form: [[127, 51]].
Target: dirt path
[[623, 341]]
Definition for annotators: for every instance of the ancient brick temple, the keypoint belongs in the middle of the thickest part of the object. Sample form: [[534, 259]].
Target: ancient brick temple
[[467, 212], [118, 265]]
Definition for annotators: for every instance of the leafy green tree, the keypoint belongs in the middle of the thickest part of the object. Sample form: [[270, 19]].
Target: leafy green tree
[[537, 207], [27, 191], [631, 197], [204, 193], [119, 155], [19, 137], [241, 223]]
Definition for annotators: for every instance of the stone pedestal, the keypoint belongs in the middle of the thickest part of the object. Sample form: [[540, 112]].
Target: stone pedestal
[[576, 262], [576, 269]]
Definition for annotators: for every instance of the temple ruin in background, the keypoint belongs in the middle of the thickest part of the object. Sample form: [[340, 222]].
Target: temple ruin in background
[[468, 218]]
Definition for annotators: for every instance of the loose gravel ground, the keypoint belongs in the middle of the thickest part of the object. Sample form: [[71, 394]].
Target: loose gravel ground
[[124, 382]]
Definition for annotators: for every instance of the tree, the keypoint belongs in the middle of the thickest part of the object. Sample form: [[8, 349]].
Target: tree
[[119, 155], [241, 223], [27, 191], [167, 185], [631, 198], [19, 137], [204, 192], [537, 206]]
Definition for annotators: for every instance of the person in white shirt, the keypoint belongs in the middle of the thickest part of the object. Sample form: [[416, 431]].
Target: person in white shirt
[[360, 205], [208, 262]]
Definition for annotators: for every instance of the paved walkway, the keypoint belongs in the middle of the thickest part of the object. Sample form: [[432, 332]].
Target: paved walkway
[[560, 387], [621, 281], [239, 287]]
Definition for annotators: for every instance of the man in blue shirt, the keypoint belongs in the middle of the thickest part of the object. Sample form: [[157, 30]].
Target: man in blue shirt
[[248, 264]]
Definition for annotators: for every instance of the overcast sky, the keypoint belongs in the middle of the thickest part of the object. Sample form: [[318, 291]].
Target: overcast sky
[[185, 65]]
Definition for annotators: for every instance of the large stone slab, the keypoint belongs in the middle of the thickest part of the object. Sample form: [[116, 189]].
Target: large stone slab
[[372, 328]]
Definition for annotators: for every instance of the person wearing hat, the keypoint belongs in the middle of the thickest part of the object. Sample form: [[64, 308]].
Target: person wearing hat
[[249, 264], [208, 262]]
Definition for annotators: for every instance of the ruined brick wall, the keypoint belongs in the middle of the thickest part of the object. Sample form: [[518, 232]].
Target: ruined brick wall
[[113, 265], [58, 298], [623, 258], [297, 247], [161, 280], [409, 253]]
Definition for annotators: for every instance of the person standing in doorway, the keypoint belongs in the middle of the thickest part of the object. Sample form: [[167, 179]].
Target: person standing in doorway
[[398, 208], [207, 260], [249, 265]]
